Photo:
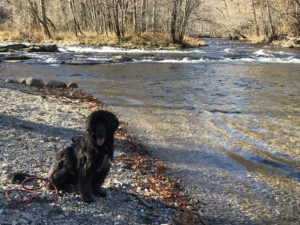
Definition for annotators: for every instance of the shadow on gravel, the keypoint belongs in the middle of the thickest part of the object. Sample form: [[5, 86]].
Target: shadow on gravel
[[8, 122]]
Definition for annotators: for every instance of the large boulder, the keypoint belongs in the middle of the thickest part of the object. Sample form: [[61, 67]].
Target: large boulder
[[297, 41], [122, 58], [16, 57], [22, 81], [10, 81], [41, 48], [29, 48], [34, 82], [4, 49], [80, 62], [12, 48], [55, 84], [72, 85]]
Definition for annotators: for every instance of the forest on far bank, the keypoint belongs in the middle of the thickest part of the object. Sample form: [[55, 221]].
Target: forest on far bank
[[137, 21]]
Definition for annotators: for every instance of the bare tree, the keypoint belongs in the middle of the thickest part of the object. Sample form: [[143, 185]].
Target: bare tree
[[270, 18], [43, 20]]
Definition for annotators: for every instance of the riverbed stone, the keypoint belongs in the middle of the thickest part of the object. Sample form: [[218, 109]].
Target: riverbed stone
[[4, 49], [10, 81], [16, 57], [41, 48], [72, 85], [122, 58], [12, 47], [22, 81], [55, 83], [23, 221], [34, 82], [297, 41], [80, 62]]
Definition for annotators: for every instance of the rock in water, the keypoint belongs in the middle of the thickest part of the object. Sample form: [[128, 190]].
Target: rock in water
[[10, 81], [297, 41], [16, 57], [55, 83], [12, 48], [34, 82], [72, 85], [80, 62], [22, 81], [122, 58], [4, 49], [41, 48]]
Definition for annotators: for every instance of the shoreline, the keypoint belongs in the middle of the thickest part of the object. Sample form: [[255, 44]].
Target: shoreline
[[149, 184], [145, 41]]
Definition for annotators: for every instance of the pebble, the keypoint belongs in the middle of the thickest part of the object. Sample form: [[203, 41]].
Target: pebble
[[23, 221], [27, 217], [146, 218]]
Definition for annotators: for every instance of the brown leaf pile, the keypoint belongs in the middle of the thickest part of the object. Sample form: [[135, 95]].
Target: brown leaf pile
[[154, 182]]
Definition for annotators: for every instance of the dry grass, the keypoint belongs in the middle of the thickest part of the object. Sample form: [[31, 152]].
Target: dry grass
[[144, 40], [254, 39], [189, 41]]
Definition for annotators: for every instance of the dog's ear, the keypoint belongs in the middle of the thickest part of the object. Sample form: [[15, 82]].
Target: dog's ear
[[113, 122], [90, 121]]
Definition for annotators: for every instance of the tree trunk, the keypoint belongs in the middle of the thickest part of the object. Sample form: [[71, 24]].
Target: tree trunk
[[116, 19], [43, 20], [264, 20], [272, 29], [76, 25], [134, 16], [173, 24], [255, 18], [154, 16]]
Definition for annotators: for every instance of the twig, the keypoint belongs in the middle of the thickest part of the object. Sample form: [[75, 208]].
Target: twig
[[144, 202]]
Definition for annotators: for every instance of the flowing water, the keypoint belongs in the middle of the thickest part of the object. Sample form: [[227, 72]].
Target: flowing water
[[226, 118]]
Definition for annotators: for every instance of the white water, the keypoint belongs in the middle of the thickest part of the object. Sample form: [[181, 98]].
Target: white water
[[106, 49]]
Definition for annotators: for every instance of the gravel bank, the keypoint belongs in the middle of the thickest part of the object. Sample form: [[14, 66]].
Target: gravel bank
[[34, 126]]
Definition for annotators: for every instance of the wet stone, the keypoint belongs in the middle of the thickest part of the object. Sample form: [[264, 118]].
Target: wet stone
[[72, 85], [22, 80], [10, 81], [16, 57], [55, 84], [34, 82]]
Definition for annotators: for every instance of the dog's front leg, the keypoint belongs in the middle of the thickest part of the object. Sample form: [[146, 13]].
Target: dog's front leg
[[85, 178]]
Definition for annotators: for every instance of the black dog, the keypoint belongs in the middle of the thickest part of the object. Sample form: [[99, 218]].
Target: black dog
[[86, 163]]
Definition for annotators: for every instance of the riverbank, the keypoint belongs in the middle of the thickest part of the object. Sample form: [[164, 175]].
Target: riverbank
[[37, 123], [130, 41], [284, 42]]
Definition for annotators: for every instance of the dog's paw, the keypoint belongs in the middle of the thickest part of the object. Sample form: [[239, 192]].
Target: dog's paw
[[88, 198], [101, 192]]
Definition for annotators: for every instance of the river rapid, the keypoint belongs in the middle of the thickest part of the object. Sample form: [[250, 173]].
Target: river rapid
[[226, 118]]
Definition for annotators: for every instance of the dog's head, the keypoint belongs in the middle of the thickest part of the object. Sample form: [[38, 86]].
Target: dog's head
[[101, 125]]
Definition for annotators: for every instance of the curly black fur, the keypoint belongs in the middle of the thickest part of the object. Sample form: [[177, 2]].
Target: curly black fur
[[86, 163]]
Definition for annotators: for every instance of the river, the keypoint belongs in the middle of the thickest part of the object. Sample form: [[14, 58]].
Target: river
[[225, 118]]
